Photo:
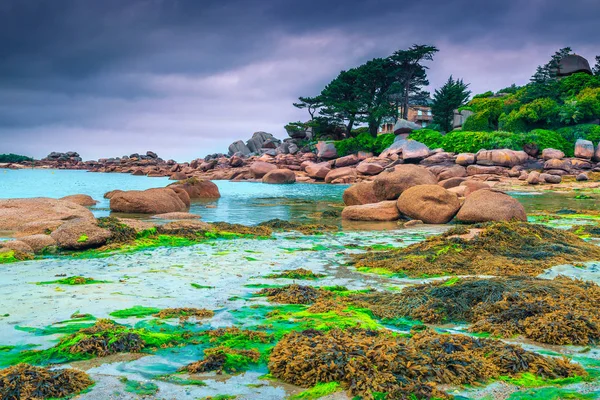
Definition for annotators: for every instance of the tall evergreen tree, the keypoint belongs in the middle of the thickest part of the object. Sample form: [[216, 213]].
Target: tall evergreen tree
[[452, 95]]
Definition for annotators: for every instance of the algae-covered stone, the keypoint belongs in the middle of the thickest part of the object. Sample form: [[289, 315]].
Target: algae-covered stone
[[488, 205], [79, 235], [431, 204]]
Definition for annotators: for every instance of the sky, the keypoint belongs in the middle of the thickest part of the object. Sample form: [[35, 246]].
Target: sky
[[185, 78]]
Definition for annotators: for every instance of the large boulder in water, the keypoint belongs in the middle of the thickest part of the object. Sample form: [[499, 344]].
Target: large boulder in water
[[79, 235], [260, 168], [197, 188], [360, 193], [151, 201], [390, 185], [489, 205], [15, 214], [279, 176], [382, 211], [431, 204], [81, 199]]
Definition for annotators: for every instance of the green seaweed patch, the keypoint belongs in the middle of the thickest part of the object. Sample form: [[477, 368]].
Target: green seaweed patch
[[135, 311], [552, 394], [73, 281], [104, 338], [83, 238], [7, 257], [177, 380], [318, 391], [299, 273], [198, 286], [530, 380], [139, 388], [261, 286]]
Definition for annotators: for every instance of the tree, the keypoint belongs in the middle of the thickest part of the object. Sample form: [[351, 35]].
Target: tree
[[312, 104], [410, 71], [596, 68], [452, 95], [341, 100]]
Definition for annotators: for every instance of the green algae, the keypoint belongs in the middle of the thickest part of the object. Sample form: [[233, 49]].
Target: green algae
[[318, 391], [176, 380], [139, 388], [198, 286], [552, 394], [251, 259], [73, 280], [299, 273], [530, 380], [82, 239], [135, 311]]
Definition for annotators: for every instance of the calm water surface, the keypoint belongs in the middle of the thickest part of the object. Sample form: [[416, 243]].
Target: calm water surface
[[241, 202]]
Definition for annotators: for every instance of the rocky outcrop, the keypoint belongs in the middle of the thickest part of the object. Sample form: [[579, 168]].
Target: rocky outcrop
[[548, 154], [489, 205], [39, 243], [465, 159], [45, 213], [347, 174], [279, 176], [501, 157], [317, 170], [238, 147], [81, 199], [584, 149], [151, 201], [431, 204], [382, 211], [79, 235], [326, 151], [390, 185], [369, 168], [414, 151], [258, 169], [359, 193], [472, 186], [197, 188]]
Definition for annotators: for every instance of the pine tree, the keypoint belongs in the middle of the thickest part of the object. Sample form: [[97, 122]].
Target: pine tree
[[452, 95]]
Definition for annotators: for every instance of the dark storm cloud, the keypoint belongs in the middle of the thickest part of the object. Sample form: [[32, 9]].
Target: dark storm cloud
[[187, 77]]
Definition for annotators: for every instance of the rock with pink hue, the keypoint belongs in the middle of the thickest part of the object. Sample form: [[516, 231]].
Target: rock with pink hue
[[260, 168], [454, 171], [326, 150], [17, 214], [548, 154], [465, 159], [390, 185], [431, 204], [339, 173], [359, 193], [197, 188], [584, 149], [382, 211], [488, 205], [279, 176], [367, 168], [317, 170], [473, 186], [81, 199], [151, 201], [346, 161]]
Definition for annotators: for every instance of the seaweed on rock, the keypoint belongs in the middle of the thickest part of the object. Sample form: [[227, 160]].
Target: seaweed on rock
[[298, 273], [24, 381], [224, 359], [307, 229], [120, 232], [367, 362], [184, 313], [495, 248], [558, 311], [294, 294]]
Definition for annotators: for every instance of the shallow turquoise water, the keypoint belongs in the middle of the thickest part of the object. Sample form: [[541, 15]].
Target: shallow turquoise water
[[241, 202]]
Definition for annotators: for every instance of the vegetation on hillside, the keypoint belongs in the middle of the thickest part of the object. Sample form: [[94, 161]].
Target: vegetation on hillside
[[13, 158]]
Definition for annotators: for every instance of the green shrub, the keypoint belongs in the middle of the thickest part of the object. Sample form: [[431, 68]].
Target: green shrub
[[574, 84], [383, 142], [13, 158], [584, 131], [479, 121], [429, 137], [472, 142], [364, 142], [487, 94]]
